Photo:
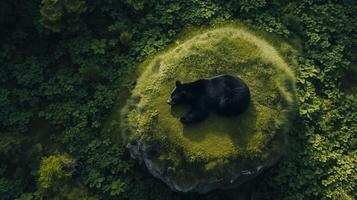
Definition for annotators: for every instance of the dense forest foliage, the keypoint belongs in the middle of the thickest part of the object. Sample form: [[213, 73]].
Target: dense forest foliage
[[65, 65]]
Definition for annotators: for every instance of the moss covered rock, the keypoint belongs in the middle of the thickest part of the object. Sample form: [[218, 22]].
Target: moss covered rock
[[217, 152]]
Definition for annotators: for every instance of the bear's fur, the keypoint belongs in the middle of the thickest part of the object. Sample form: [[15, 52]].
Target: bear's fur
[[225, 94]]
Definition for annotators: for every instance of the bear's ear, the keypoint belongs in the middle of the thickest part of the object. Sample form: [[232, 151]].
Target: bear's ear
[[178, 83]]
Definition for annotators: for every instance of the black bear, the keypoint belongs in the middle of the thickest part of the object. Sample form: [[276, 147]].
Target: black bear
[[225, 94]]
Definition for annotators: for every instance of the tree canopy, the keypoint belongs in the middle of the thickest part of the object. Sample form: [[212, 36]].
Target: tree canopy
[[68, 66]]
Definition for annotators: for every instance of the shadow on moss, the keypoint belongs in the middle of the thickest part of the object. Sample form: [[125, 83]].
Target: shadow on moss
[[236, 126]]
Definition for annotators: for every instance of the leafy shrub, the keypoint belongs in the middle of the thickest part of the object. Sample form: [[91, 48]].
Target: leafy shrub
[[53, 13], [52, 173]]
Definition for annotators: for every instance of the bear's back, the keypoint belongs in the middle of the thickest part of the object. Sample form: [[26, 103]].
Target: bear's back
[[228, 94], [228, 80], [225, 83]]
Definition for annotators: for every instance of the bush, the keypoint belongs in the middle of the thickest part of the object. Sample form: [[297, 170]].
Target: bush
[[52, 173]]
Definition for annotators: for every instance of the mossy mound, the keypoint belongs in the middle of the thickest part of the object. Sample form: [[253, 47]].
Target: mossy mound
[[219, 140]]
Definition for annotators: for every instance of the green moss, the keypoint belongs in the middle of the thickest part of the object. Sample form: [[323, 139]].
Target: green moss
[[230, 49]]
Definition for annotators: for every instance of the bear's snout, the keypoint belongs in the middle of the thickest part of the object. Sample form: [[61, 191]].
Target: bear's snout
[[169, 101]]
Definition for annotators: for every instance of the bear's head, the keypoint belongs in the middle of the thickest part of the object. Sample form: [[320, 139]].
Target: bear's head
[[179, 95]]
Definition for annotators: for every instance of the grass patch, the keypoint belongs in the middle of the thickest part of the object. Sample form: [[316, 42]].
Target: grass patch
[[229, 49]]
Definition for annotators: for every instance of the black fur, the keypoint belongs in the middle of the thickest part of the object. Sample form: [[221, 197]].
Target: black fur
[[225, 94]]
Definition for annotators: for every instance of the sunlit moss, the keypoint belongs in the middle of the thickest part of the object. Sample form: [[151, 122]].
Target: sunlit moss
[[230, 49]]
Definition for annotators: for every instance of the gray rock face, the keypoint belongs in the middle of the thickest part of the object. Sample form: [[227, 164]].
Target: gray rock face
[[142, 152]]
